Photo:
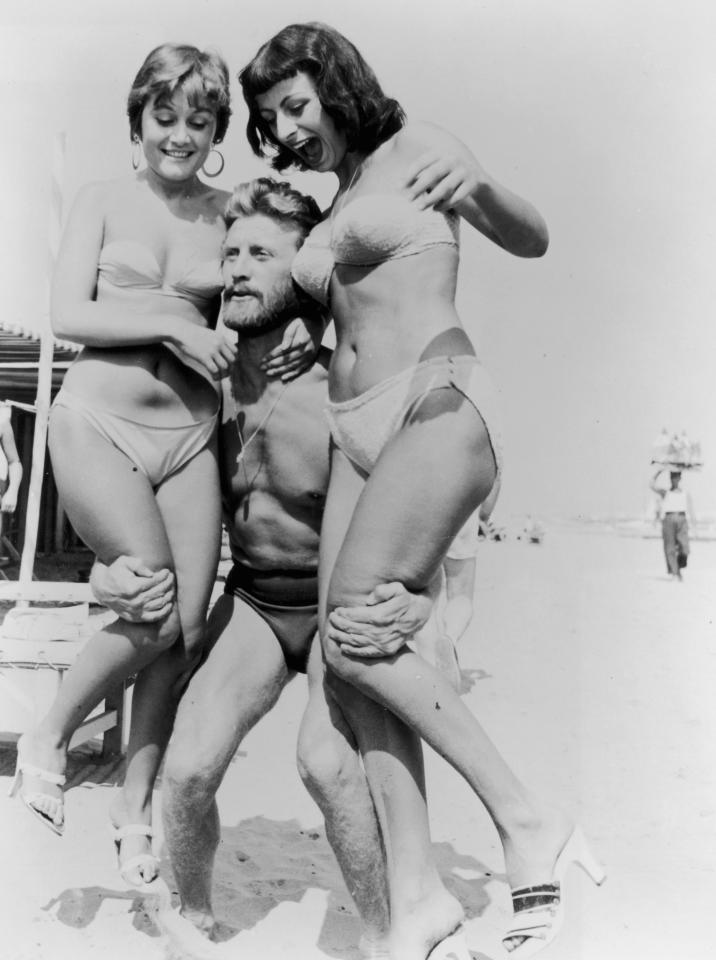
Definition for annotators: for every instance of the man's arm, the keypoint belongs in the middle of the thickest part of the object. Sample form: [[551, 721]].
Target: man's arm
[[653, 484]]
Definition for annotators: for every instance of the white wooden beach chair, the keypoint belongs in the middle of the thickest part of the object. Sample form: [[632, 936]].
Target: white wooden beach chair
[[37, 645]]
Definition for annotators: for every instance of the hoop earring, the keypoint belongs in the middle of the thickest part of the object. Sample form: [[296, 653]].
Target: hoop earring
[[221, 162], [136, 153]]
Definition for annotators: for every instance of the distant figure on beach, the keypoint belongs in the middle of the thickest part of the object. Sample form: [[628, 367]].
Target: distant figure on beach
[[533, 531], [274, 465], [675, 512], [10, 472]]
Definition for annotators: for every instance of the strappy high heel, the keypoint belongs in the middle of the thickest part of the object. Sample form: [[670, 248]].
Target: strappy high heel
[[453, 947], [142, 860], [55, 805], [539, 910]]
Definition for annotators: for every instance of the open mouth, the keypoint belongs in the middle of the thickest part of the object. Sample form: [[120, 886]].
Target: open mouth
[[177, 154], [310, 150]]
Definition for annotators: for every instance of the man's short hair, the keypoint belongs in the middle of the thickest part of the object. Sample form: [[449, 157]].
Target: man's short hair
[[276, 199]]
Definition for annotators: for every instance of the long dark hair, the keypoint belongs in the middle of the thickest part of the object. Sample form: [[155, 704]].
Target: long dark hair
[[347, 88]]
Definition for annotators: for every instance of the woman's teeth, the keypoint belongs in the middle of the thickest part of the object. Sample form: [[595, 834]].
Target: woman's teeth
[[311, 150]]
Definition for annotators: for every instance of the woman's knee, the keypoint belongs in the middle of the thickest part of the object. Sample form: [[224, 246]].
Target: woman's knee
[[149, 637], [342, 669], [169, 629]]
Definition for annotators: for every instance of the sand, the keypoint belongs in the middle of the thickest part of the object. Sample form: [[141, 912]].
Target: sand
[[594, 674]]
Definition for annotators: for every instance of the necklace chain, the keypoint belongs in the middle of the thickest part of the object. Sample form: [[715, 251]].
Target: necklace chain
[[264, 420], [335, 209]]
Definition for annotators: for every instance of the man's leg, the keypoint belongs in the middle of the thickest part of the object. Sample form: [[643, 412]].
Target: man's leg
[[330, 768], [240, 681], [670, 545], [682, 541]]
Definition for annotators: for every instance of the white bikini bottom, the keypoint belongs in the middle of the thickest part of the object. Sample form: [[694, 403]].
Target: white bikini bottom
[[363, 425], [158, 451]]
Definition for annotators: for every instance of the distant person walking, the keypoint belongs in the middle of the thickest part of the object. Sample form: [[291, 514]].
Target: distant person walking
[[675, 510]]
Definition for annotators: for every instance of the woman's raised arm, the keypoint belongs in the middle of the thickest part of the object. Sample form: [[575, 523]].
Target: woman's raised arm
[[446, 175]]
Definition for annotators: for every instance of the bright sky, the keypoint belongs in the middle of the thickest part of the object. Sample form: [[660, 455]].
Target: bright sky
[[598, 111]]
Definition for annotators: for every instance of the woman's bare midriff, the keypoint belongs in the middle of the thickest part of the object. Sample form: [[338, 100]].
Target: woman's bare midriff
[[391, 317], [147, 383]]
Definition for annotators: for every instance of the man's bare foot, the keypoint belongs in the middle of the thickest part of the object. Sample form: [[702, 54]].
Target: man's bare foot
[[184, 940]]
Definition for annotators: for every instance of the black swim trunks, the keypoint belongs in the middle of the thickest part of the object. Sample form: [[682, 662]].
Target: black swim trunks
[[287, 600]]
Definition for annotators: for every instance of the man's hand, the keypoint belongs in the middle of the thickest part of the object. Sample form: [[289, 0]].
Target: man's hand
[[133, 591], [8, 503], [391, 616]]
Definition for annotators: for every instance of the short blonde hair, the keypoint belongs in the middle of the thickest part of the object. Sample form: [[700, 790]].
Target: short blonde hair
[[202, 75]]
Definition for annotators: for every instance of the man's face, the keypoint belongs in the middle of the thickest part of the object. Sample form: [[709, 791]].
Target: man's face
[[258, 290]]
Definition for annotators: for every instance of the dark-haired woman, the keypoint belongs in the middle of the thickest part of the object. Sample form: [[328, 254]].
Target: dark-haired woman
[[132, 432], [411, 413]]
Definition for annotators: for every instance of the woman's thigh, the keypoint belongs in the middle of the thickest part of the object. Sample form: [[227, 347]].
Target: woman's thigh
[[344, 490], [190, 505], [428, 480], [108, 500]]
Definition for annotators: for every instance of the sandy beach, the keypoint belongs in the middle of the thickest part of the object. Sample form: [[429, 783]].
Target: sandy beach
[[593, 673]]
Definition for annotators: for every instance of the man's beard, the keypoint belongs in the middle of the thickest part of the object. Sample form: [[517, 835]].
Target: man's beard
[[254, 317]]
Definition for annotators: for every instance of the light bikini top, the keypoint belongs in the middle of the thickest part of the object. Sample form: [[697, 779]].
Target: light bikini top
[[368, 231], [128, 263]]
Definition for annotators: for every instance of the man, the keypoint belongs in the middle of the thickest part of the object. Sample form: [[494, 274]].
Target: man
[[675, 510], [274, 465]]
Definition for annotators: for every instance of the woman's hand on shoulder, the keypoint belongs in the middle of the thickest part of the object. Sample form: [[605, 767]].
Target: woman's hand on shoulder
[[297, 350]]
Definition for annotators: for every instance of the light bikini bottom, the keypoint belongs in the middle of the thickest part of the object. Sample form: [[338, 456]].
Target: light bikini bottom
[[363, 425], [158, 451]]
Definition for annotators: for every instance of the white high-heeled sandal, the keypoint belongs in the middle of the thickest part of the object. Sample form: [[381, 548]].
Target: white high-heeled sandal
[[142, 860], [55, 804], [539, 910]]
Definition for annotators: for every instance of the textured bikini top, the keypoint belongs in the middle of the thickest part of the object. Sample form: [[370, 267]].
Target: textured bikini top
[[128, 263], [368, 231]]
